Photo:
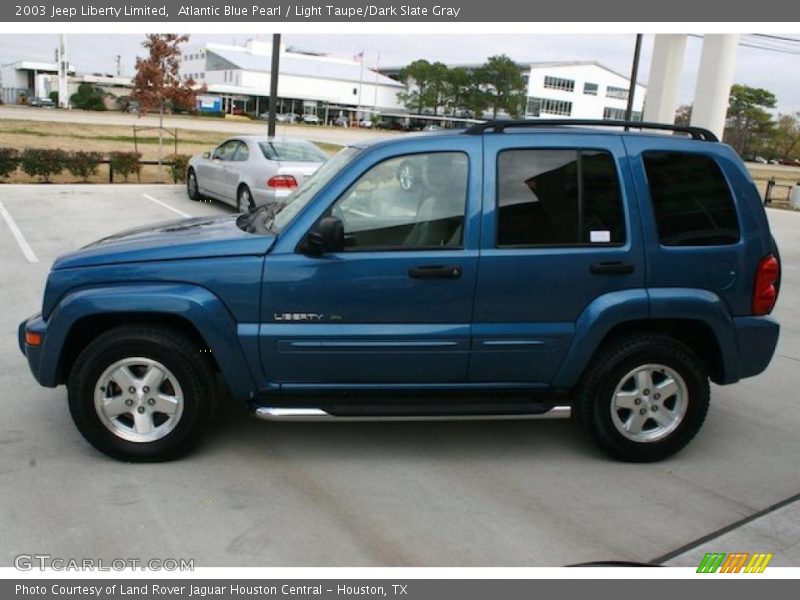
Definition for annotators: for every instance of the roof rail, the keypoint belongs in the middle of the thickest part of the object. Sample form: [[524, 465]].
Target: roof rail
[[499, 126]]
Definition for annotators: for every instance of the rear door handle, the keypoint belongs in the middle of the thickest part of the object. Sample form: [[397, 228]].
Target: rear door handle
[[435, 272], [611, 268]]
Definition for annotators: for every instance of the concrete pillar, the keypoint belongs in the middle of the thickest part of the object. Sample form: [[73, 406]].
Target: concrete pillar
[[714, 79], [663, 83]]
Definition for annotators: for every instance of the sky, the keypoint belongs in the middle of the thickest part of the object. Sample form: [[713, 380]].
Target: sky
[[778, 72]]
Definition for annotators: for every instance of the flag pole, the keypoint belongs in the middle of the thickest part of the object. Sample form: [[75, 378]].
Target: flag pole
[[360, 83]]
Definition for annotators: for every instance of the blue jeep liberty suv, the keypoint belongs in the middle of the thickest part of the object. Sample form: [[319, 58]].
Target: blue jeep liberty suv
[[518, 269]]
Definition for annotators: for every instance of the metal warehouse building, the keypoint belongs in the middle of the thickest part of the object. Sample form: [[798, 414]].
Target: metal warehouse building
[[237, 79]]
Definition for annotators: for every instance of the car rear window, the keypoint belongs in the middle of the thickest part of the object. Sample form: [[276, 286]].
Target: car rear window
[[692, 202], [558, 198], [291, 151]]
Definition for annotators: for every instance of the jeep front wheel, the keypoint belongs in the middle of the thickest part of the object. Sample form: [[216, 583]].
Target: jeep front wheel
[[644, 398], [141, 393]]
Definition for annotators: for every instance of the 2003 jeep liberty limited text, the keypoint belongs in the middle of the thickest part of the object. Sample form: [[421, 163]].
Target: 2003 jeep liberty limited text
[[515, 269]]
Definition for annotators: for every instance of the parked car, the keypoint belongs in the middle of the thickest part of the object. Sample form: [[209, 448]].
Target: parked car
[[432, 128], [248, 171], [551, 271], [310, 119], [341, 121], [790, 162], [365, 123], [41, 103]]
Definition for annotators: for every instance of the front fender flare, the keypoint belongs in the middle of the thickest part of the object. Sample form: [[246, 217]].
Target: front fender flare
[[197, 305]]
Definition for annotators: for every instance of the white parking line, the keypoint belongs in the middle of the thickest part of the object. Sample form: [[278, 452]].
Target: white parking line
[[165, 205], [23, 244]]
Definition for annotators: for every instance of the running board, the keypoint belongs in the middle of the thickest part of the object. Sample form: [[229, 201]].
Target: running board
[[276, 413]]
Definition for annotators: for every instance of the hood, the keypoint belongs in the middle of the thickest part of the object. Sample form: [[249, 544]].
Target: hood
[[199, 237]]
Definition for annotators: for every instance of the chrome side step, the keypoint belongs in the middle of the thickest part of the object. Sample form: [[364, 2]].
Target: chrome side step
[[277, 413]]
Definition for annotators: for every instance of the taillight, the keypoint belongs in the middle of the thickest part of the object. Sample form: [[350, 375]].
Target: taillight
[[284, 182], [764, 291]]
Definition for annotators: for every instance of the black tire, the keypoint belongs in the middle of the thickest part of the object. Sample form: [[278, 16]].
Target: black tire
[[176, 352], [617, 359], [241, 193], [192, 187]]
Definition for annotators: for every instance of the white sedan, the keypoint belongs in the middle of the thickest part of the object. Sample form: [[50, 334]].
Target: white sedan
[[247, 171]]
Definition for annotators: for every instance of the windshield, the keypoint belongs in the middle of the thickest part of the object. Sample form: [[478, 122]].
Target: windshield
[[304, 194], [292, 151]]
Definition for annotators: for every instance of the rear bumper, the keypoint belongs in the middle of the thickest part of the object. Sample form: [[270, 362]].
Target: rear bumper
[[34, 354], [756, 338], [264, 196]]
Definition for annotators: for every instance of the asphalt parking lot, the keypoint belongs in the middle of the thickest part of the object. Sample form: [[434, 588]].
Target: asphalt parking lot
[[370, 494]]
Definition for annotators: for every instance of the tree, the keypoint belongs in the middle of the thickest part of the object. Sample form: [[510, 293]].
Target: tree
[[786, 139], [416, 77], [502, 81], [88, 98], [158, 82], [683, 115], [457, 87], [749, 125], [477, 100], [437, 87]]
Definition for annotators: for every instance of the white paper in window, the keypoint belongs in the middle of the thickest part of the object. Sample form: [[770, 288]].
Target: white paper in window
[[599, 236]]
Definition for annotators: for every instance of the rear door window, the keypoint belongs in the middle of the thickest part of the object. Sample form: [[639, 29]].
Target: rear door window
[[692, 202], [558, 198]]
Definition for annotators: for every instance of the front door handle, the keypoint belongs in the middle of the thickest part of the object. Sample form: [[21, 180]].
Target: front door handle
[[611, 268], [435, 272]]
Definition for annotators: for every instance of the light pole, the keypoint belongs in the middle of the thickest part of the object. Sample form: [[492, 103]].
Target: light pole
[[273, 83], [634, 75]]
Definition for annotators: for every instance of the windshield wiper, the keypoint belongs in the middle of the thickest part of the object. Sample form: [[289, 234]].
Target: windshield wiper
[[253, 220]]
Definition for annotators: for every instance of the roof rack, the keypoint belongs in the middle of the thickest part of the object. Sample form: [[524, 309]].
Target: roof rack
[[697, 133]]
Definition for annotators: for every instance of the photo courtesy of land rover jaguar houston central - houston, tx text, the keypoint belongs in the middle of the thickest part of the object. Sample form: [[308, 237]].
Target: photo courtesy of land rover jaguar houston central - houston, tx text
[[515, 269]]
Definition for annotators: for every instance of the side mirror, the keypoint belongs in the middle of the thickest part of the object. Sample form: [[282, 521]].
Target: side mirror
[[206, 154], [327, 236]]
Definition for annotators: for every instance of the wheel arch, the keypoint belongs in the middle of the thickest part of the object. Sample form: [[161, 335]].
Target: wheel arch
[[697, 318], [195, 312]]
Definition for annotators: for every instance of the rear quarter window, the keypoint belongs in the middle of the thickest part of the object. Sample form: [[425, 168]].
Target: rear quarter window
[[692, 203]]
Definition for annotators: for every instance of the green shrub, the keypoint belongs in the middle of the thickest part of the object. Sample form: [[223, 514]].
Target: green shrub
[[126, 163], [177, 170], [9, 161], [43, 164], [54, 97], [88, 98], [83, 164]]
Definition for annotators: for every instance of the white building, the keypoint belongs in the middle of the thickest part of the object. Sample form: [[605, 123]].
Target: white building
[[307, 84], [26, 79], [579, 90], [573, 89]]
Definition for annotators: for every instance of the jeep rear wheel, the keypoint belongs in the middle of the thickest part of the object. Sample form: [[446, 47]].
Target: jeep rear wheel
[[141, 393], [644, 398]]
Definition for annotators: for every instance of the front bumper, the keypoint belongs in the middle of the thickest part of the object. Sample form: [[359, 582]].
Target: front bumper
[[35, 354]]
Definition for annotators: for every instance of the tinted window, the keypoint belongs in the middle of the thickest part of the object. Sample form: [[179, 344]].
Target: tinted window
[[558, 197], [691, 200], [415, 201], [292, 151], [227, 150], [242, 152]]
